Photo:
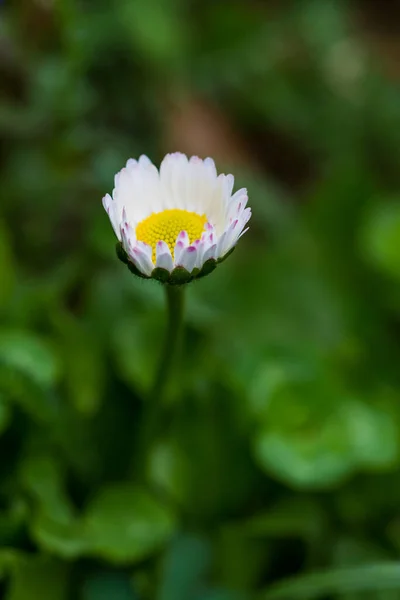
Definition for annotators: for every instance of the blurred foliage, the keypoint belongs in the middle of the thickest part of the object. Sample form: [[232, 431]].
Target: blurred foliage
[[276, 473]]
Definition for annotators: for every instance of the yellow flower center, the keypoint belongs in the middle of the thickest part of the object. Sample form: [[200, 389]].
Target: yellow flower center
[[166, 226]]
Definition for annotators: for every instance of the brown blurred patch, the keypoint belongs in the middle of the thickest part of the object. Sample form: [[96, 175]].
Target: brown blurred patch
[[379, 24], [37, 25], [195, 126]]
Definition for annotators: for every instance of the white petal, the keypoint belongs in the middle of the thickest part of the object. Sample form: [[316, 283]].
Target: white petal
[[221, 244], [228, 184], [182, 183], [128, 238], [164, 258], [182, 242], [209, 237], [145, 248], [109, 207], [137, 189], [131, 163], [188, 258], [144, 161], [233, 233], [216, 204], [107, 200], [173, 175], [211, 252], [141, 260], [237, 204], [210, 165], [239, 229]]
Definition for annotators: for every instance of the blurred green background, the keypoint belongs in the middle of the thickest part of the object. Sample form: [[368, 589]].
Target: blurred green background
[[276, 472]]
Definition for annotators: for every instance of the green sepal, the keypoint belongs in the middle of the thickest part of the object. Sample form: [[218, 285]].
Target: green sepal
[[122, 255], [179, 276], [160, 274], [220, 260], [207, 268], [135, 271]]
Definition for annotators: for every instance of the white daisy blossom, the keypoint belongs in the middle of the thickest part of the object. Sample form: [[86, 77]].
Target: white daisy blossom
[[180, 216]]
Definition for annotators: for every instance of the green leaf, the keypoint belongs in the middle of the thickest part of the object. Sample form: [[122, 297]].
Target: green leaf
[[54, 525], [39, 577], [358, 551], [374, 434], [5, 414], [63, 537], [185, 568], [108, 586], [133, 348], [31, 355], [7, 267], [155, 29], [374, 577], [221, 594], [124, 523], [168, 468], [303, 437], [42, 477], [83, 365], [380, 237], [9, 558], [288, 519]]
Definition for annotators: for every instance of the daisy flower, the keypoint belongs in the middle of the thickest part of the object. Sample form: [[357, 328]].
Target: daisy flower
[[176, 223]]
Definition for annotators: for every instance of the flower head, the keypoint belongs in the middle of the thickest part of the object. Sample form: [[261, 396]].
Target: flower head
[[177, 223]]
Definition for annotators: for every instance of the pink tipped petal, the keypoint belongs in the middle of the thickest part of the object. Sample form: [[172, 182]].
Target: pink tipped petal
[[188, 258], [124, 237], [181, 183], [162, 247], [211, 252], [179, 248], [182, 242], [141, 260], [184, 237], [246, 215], [145, 248]]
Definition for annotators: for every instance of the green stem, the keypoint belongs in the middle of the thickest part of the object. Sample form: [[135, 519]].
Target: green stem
[[175, 306]]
